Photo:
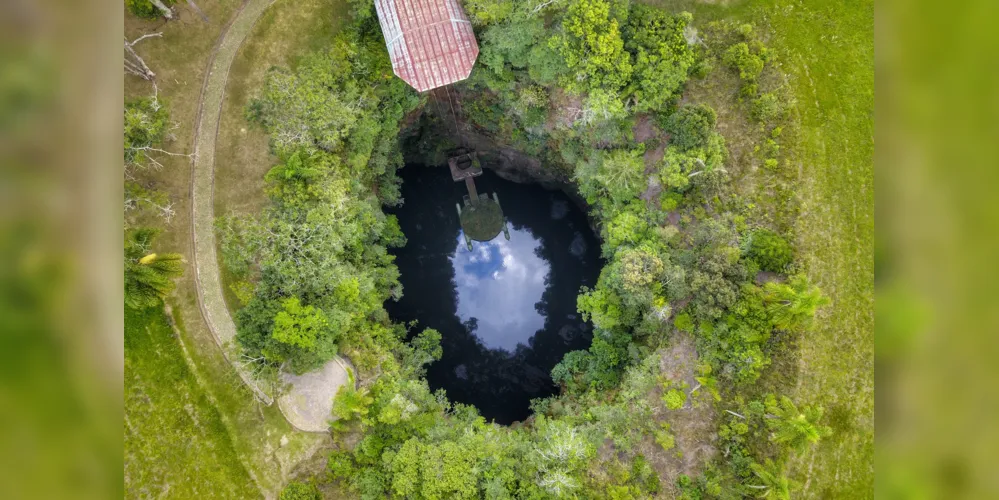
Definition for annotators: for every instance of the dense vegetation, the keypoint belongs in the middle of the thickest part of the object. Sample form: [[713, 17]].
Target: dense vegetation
[[569, 85], [314, 268]]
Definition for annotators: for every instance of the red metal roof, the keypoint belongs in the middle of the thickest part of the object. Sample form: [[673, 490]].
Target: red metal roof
[[430, 42]]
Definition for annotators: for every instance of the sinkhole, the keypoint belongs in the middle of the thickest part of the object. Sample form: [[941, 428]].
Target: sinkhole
[[506, 307]]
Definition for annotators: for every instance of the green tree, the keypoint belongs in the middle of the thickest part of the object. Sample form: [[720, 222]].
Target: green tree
[[483, 12], [769, 250], [661, 53], [601, 106], [641, 270], [691, 127], [601, 306], [793, 305], [146, 123], [774, 480], [748, 59], [148, 275], [351, 404], [434, 470], [627, 227], [304, 327], [798, 429], [508, 45], [622, 174], [294, 180], [424, 348], [680, 168], [590, 43], [147, 8]]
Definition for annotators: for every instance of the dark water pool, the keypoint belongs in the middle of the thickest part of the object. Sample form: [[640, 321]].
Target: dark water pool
[[506, 309]]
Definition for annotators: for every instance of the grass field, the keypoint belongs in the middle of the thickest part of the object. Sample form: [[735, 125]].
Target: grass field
[[176, 444], [826, 48]]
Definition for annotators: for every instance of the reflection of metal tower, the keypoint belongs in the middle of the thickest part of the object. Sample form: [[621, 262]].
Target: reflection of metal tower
[[482, 219]]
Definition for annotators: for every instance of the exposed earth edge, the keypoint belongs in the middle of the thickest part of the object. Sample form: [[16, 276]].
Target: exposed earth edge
[[309, 402], [207, 277]]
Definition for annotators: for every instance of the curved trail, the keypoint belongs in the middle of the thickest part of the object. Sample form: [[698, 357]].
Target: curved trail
[[206, 268], [308, 404]]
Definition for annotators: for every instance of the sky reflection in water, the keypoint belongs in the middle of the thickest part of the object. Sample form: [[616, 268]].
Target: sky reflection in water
[[506, 310], [499, 284]]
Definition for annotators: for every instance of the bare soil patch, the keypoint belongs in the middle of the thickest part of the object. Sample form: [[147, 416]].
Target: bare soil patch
[[308, 401], [693, 425]]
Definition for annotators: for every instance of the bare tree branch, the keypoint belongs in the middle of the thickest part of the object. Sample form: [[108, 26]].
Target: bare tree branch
[[542, 6], [167, 13], [143, 37], [134, 63], [148, 148], [196, 9]]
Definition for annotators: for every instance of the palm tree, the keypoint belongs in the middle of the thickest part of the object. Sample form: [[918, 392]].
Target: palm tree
[[792, 306], [774, 481], [148, 276], [797, 429]]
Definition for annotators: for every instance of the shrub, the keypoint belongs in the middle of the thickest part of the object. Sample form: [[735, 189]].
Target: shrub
[[665, 438], [684, 322], [300, 491], [670, 201], [691, 126], [748, 59], [768, 107], [769, 250], [674, 399]]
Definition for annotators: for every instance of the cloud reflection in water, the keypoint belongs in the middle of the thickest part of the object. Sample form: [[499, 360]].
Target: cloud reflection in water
[[499, 283]]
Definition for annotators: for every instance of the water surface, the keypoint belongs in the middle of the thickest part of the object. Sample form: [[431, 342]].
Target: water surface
[[506, 309]]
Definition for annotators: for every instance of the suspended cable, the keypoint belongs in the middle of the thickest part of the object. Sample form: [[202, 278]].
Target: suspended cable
[[454, 118], [437, 105]]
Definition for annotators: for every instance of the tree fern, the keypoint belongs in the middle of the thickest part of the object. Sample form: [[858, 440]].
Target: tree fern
[[775, 483], [148, 276], [792, 305], [797, 428]]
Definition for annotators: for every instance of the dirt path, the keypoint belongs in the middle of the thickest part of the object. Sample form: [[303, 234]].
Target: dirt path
[[207, 277]]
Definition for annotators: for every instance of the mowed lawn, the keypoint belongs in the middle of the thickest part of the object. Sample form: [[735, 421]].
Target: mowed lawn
[[176, 445], [826, 48]]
